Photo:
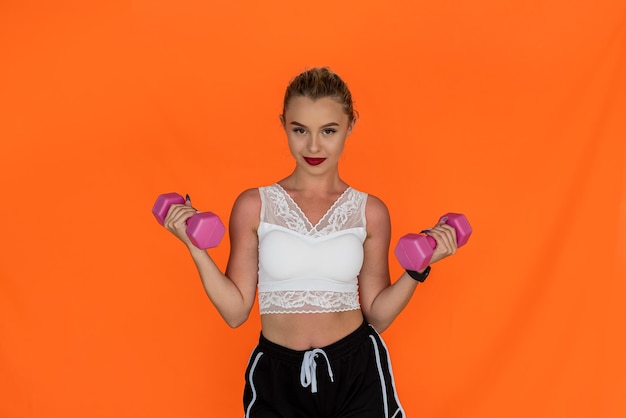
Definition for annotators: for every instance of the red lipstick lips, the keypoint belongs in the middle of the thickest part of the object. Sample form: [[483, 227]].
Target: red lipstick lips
[[314, 161]]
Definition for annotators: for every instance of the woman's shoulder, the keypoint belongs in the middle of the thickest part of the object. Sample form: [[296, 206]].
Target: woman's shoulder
[[248, 203], [249, 194], [376, 210], [376, 202], [252, 197]]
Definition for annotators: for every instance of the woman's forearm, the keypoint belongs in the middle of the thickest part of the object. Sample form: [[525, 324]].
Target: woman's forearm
[[221, 290], [390, 302]]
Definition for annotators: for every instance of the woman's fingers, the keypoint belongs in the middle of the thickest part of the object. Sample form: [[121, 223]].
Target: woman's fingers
[[449, 235], [177, 216], [176, 219], [445, 236]]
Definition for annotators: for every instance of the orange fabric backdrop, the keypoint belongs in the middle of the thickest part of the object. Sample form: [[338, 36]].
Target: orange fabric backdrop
[[510, 112]]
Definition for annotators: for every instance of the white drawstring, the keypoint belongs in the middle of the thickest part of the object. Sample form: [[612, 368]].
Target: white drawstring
[[308, 375]]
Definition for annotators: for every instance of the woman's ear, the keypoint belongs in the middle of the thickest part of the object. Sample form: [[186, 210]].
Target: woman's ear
[[282, 120], [351, 126]]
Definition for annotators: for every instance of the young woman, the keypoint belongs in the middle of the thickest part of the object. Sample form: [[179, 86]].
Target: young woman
[[317, 252]]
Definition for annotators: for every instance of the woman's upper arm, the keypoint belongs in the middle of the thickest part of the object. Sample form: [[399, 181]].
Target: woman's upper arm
[[242, 266], [374, 276]]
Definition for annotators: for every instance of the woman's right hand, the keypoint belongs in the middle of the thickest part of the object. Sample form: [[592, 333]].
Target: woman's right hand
[[176, 221]]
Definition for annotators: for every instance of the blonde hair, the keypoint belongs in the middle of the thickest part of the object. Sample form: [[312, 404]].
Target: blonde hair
[[318, 83]]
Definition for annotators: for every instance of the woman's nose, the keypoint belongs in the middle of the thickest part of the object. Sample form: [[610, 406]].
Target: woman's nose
[[314, 143]]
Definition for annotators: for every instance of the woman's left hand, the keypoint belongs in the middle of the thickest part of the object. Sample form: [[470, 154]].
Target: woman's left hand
[[445, 236]]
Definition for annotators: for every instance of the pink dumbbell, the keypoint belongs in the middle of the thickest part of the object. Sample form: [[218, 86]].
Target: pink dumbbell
[[205, 229], [414, 251]]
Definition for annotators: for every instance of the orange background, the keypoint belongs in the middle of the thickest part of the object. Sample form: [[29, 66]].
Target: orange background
[[510, 112]]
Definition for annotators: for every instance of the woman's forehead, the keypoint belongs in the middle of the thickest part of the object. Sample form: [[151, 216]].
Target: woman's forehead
[[306, 108]]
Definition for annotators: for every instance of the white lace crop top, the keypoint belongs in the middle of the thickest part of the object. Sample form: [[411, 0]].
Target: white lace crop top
[[305, 268]]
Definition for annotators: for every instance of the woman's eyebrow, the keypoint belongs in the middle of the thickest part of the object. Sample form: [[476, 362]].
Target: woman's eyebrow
[[304, 126]]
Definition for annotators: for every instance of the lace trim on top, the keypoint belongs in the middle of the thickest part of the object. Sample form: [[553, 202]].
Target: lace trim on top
[[340, 216], [298, 301]]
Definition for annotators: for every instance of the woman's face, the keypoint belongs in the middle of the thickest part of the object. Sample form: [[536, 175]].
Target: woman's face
[[316, 131]]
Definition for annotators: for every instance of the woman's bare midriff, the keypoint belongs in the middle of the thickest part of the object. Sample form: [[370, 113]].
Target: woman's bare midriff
[[306, 331]]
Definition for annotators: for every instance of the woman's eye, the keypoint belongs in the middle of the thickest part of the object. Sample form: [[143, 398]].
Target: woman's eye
[[329, 131], [299, 131]]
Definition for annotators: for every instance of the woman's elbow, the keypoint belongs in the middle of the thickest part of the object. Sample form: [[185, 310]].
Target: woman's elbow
[[380, 326], [236, 321], [377, 323]]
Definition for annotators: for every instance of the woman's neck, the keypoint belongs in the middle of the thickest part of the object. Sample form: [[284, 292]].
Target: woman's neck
[[301, 182]]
